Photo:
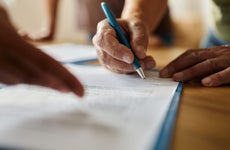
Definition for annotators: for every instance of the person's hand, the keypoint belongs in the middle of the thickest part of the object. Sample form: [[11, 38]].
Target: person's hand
[[212, 65], [45, 34], [117, 57], [20, 62]]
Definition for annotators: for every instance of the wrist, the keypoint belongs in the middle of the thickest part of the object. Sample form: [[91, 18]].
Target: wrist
[[136, 20], [149, 12]]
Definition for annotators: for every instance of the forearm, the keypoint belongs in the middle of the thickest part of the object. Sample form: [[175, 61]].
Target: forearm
[[51, 7], [149, 11], [8, 32]]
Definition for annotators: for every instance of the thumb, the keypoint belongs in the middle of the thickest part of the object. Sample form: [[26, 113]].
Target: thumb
[[138, 38]]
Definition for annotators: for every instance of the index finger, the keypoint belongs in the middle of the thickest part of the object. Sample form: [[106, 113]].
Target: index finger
[[107, 40], [56, 70], [48, 68], [187, 59]]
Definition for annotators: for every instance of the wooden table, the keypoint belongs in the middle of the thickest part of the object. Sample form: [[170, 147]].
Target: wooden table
[[203, 121]]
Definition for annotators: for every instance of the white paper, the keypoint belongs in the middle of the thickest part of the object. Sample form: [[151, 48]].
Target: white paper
[[118, 112], [70, 52]]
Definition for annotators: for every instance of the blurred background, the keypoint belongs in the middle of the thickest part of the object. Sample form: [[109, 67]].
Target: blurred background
[[190, 19]]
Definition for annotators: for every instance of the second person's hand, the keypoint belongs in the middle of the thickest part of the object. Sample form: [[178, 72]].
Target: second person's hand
[[21, 62], [211, 65]]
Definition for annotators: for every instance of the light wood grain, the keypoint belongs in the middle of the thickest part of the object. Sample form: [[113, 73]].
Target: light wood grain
[[203, 119]]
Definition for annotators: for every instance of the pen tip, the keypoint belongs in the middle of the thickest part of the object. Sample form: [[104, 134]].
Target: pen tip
[[141, 73]]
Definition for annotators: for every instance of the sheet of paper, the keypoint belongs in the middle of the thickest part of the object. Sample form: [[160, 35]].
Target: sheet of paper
[[70, 52], [118, 112]]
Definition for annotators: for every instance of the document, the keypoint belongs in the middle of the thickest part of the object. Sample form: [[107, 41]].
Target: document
[[118, 112], [70, 53]]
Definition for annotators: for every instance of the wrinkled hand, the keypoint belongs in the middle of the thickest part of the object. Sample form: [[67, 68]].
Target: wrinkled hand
[[20, 62], [211, 65], [117, 57]]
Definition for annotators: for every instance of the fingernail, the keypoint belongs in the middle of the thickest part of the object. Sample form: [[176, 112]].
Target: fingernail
[[165, 73], [179, 76], [207, 81], [127, 59], [63, 88]]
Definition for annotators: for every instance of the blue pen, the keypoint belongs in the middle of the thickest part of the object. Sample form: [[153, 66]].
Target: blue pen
[[112, 21]]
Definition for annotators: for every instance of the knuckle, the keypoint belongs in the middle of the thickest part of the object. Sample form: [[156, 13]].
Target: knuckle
[[102, 24], [212, 64], [106, 38], [114, 52], [102, 38], [195, 53], [137, 24], [98, 40], [188, 52]]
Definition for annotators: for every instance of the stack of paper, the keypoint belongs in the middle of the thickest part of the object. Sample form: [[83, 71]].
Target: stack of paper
[[118, 112], [70, 53]]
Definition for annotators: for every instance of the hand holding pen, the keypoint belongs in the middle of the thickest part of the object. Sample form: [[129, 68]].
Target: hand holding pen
[[115, 55]]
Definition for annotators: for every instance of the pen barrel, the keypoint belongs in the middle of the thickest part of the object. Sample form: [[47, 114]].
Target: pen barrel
[[136, 64], [121, 36], [122, 39]]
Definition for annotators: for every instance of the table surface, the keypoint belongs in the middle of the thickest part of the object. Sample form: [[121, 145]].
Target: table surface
[[203, 120]]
